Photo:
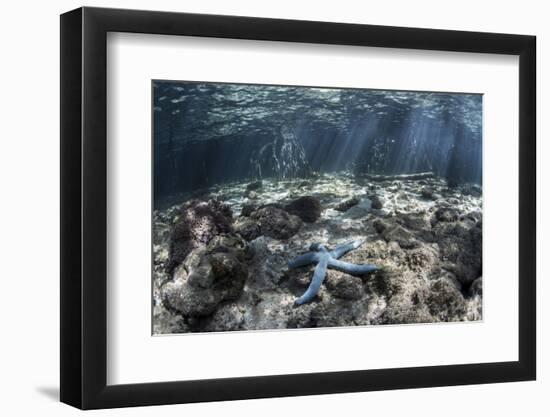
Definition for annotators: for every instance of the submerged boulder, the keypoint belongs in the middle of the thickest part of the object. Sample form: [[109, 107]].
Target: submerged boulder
[[427, 193], [359, 210], [247, 209], [256, 185], [424, 259], [347, 204], [460, 245], [445, 214], [377, 203], [268, 221], [247, 228], [380, 225], [404, 293], [252, 189], [334, 313], [344, 286], [197, 223], [472, 189], [306, 208], [477, 287], [418, 222], [208, 276], [445, 301], [402, 236]]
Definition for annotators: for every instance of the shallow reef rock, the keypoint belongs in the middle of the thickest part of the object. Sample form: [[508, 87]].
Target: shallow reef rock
[[446, 301], [377, 203], [268, 221], [248, 209], [306, 208], [460, 245], [477, 287], [393, 232], [360, 210], [195, 225], [251, 190], [208, 276], [427, 193], [231, 273], [445, 214], [347, 204], [256, 185], [344, 286]]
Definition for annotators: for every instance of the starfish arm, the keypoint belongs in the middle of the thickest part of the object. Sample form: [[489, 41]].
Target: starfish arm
[[351, 269], [306, 258], [341, 250], [317, 280]]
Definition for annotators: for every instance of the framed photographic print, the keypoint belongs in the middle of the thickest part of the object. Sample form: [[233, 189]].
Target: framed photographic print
[[257, 207]]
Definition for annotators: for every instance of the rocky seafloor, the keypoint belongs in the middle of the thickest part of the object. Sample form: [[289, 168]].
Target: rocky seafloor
[[220, 256]]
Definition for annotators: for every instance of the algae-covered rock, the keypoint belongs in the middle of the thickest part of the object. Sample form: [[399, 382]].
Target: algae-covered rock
[[344, 286], [209, 276], [197, 223], [445, 214], [306, 208], [347, 204], [402, 236], [377, 202], [268, 221], [445, 302]]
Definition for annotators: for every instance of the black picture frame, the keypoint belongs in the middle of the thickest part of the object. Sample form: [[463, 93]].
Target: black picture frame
[[84, 207]]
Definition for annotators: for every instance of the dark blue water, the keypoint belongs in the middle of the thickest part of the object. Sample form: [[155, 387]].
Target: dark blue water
[[208, 134]]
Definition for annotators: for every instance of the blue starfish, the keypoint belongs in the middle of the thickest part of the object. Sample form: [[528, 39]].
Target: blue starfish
[[325, 259]]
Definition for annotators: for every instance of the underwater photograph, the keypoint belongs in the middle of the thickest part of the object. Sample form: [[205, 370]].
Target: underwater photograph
[[290, 207]]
